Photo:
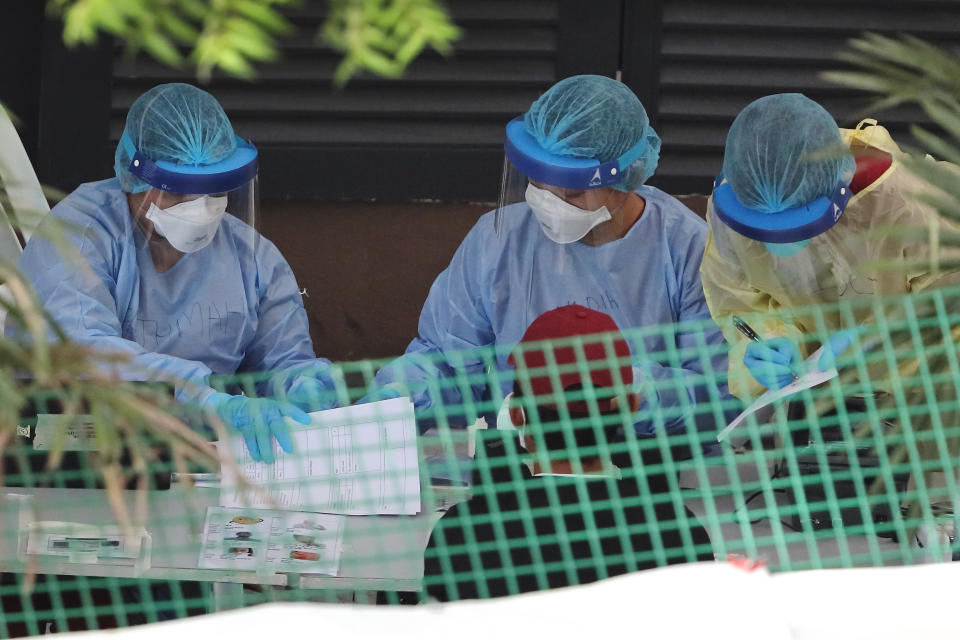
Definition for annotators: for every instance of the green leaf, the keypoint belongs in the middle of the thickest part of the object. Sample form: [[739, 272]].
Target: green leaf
[[196, 9], [937, 147], [345, 70], [948, 208], [161, 48], [411, 48], [265, 16], [858, 80], [179, 28], [378, 63], [79, 25], [948, 237], [385, 36], [251, 47], [52, 194], [232, 62], [946, 115], [935, 174]]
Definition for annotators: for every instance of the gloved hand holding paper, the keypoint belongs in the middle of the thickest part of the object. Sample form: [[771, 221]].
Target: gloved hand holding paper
[[813, 377]]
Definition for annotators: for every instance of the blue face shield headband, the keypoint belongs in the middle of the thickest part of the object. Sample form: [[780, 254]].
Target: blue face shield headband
[[532, 160], [789, 225], [219, 177]]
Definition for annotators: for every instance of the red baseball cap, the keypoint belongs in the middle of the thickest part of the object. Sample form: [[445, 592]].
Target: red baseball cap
[[605, 350]]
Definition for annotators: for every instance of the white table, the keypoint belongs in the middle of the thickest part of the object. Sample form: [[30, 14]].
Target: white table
[[380, 552]]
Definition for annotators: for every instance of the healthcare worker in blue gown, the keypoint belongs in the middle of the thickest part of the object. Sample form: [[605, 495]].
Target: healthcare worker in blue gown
[[174, 274], [575, 225]]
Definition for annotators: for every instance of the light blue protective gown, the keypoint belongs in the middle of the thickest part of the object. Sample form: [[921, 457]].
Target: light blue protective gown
[[496, 285], [233, 306]]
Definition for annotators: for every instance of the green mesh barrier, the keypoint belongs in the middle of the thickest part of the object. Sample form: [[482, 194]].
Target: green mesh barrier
[[852, 472]]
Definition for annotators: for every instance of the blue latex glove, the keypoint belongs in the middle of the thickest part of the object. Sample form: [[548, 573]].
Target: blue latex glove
[[258, 420], [313, 388], [388, 391], [836, 344], [772, 362]]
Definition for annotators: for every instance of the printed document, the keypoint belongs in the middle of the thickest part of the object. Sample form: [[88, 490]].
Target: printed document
[[812, 378], [282, 541], [357, 460]]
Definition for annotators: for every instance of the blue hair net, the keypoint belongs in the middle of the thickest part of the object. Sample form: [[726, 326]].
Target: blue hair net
[[177, 123], [595, 117], [784, 151]]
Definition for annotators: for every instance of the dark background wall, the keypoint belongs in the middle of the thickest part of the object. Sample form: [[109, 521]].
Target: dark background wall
[[368, 190]]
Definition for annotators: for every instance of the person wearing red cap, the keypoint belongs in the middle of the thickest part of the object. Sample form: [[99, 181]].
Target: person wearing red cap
[[549, 509]]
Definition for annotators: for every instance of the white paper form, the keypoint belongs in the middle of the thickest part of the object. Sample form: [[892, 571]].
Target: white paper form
[[357, 460], [812, 378], [280, 541]]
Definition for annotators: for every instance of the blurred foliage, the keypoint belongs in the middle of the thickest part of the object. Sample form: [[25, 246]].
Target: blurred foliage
[[380, 36], [899, 71], [905, 70], [384, 36], [42, 371]]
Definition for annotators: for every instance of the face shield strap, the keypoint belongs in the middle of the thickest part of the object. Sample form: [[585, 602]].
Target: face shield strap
[[533, 161], [789, 225], [219, 177], [632, 154]]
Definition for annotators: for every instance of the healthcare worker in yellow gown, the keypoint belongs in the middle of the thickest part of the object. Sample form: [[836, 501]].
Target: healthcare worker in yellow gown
[[801, 208]]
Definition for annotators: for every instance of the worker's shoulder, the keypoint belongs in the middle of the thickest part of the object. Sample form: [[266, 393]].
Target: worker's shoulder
[[510, 217], [677, 221], [670, 209], [101, 199], [498, 230], [96, 208], [249, 242], [246, 233]]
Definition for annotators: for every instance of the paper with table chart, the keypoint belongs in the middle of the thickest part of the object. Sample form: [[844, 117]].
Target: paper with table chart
[[281, 541], [812, 378], [357, 460]]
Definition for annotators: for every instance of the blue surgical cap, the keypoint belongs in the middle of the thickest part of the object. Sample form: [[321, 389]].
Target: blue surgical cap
[[595, 117], [784, 151], [177, 123]]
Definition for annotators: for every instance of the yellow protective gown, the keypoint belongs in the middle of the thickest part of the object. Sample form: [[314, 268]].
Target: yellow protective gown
[[741, 277]]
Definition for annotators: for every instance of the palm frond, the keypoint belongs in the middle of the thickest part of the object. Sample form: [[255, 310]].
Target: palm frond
[[39, 364], [919, 349]]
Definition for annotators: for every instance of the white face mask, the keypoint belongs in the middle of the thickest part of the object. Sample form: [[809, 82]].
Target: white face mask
[[561, 221], [191, 225]]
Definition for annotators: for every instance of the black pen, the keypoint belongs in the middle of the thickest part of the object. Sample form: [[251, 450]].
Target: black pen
[[752, 335], [745, 329]]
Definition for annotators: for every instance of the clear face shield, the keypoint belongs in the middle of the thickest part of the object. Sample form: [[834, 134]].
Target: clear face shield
[[187, 206], [568, 195]]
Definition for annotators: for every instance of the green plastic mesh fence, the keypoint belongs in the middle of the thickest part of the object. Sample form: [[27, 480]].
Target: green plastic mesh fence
[[454, 493]]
